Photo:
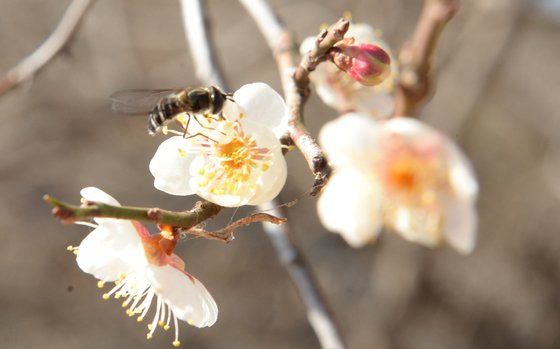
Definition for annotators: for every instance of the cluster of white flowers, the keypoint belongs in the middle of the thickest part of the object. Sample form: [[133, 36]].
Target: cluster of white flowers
[[397, 173], [400, 173], [234, 160]]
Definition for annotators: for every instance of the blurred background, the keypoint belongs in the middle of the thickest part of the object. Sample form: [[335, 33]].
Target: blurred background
[[497, 92]]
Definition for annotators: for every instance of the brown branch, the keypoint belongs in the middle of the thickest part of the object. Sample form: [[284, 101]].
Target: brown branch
[[226, 234], [415, 57], [27, 67], [323, 43], [295, 81], [68, 213]]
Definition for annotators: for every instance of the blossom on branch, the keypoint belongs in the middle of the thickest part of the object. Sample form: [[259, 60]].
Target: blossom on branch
[[240, 163], [365, 76], [399, 173], [144, 271]]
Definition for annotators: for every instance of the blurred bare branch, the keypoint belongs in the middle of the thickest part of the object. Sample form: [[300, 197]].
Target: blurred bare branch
[[415, 57], [31, 64]]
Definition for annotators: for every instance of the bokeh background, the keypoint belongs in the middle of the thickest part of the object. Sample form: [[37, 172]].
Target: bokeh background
[[497, 95]]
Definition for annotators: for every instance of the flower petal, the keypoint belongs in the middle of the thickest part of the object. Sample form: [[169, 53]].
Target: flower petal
[[170, 166], [461, 174], [96, 194], [111, 249], [417, 224], [351, 206], [187, 297], [460, 224], [349, 139], [271, 181], [263, 105]]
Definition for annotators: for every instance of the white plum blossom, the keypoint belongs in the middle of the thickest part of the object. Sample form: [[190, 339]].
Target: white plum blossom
[[338, 90], [240, 162], [144, 271], [400, 173]]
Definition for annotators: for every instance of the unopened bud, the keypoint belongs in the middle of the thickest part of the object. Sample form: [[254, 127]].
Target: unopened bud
[[368, 64]]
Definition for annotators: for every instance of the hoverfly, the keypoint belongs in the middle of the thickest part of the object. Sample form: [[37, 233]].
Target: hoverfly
[[163, 106]]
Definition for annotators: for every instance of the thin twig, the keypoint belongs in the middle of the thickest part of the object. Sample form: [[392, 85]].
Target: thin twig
[[68, 213], [194, 22], [226, 234], [416, 55], [290, 255], [295, 84], [319, 313], [27, 67]]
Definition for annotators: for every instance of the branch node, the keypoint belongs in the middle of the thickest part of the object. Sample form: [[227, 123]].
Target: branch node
[[154, 214]]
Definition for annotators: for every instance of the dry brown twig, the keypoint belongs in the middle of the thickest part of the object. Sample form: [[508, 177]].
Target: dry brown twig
[[31, 64], [226, 234], [415, 83]]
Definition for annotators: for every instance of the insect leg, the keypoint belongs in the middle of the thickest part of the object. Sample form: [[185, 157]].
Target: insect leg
[[189, 116]]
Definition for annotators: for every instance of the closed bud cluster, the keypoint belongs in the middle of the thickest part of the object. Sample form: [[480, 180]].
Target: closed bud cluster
[[368, 64]]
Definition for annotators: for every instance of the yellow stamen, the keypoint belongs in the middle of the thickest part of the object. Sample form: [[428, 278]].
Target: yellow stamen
[[100, 284], [105, 296], [176, 344]]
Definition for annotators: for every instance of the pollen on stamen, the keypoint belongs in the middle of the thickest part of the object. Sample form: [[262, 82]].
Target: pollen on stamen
[[165, 130], [100, 284], [182, 152], [176, 344], [105, 296], [202, 183]]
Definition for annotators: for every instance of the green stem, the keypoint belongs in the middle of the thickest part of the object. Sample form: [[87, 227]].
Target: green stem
[[68, 213]]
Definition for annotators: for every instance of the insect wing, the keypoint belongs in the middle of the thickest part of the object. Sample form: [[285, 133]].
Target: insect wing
[[138, 101]]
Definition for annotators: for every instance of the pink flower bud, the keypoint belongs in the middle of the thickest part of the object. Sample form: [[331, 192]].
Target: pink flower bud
[[368, 64]]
